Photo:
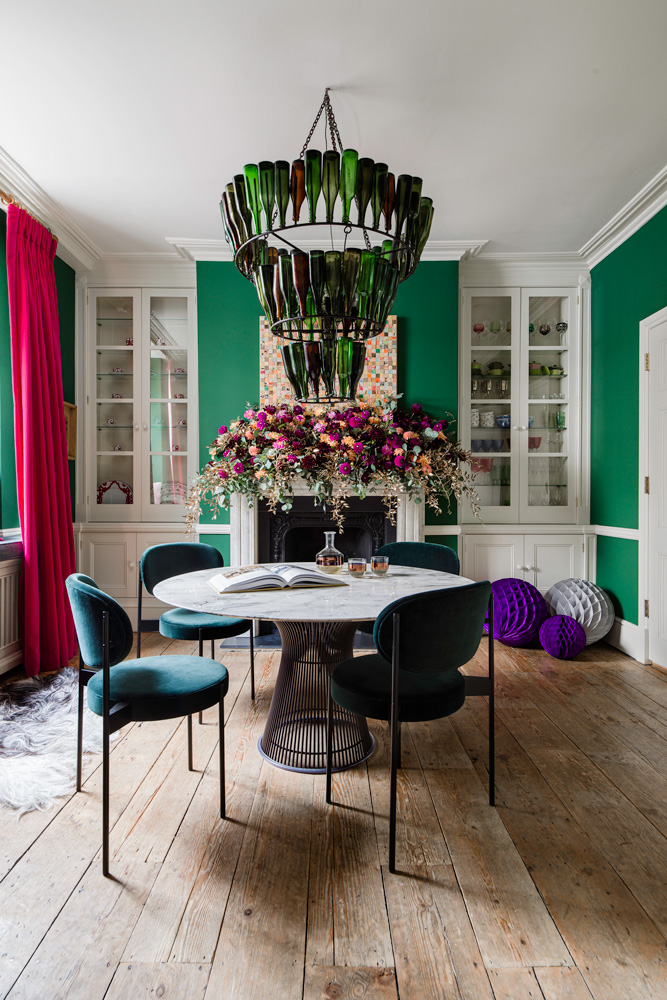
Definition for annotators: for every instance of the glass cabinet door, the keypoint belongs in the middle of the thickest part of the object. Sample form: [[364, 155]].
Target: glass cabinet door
[[490, 399], [550, 380], [168, 384], [115, 458]]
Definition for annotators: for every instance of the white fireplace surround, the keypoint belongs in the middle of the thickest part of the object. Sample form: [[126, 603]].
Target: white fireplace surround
[[243, 524]]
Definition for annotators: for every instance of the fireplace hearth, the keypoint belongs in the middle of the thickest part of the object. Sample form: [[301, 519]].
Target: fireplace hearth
[[297, 535]]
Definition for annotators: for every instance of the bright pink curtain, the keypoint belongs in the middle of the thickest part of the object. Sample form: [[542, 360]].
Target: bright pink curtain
[[42, 475]]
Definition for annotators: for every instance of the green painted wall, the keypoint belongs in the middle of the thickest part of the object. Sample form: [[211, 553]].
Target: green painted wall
[[66, 290], [617, 573], [228, 322], [627, 286], [65, 285]]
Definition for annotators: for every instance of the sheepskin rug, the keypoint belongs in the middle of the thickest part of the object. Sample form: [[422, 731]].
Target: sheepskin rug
[[38, 740]]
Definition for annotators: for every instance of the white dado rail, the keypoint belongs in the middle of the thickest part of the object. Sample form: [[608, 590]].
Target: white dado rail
[[243, 524]]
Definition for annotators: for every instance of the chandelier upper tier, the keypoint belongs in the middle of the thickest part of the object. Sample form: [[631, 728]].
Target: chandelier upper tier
[[325, 303]]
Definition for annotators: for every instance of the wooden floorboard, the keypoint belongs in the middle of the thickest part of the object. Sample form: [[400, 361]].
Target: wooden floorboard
[[558, 894]]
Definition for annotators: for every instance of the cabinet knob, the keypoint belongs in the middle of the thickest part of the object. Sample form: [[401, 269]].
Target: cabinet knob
[[528, 568], [136, 427], [131, 565], [524, 427], [145, 427]]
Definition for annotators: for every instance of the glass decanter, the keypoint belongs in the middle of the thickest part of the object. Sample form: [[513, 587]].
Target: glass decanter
[[329, 559]]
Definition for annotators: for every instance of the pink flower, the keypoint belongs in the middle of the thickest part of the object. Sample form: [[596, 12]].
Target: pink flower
[[253, 450], [223, 475], [345, 468], [249, 414], [358, 447], [281, 443], [223, 429], [238, 467], [398, 462], [299, 418]]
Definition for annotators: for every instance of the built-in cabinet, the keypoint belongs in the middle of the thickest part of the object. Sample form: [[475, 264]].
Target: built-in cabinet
[[140, 430], [141, 404], [520, 403]]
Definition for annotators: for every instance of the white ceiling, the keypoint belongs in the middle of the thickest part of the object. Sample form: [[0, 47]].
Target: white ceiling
[[532, 123]]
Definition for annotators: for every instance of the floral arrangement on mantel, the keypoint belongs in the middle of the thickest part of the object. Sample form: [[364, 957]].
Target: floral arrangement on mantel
[[339, 451]]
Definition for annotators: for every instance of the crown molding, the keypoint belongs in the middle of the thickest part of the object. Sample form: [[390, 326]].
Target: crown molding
[[193, 249], [148, 270], [529, 269], [74, 246], [625, 223]]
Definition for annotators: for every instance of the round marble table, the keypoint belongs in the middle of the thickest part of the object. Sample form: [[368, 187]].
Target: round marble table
[[317, 627]]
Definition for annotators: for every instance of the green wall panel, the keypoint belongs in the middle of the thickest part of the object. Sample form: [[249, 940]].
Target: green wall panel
[[627, 286], [617, 573], [219, 542], [228, 321]]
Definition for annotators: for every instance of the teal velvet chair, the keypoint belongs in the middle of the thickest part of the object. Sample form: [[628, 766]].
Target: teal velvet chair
[[421, 555], [162, 561], [140, 690], [422, 641]]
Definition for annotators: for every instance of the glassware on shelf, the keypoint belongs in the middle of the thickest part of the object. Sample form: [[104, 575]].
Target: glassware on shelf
[[329, 559], [560, 420]]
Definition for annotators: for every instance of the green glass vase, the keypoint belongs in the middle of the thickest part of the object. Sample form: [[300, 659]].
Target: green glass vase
[[251, 175], [313, 181], [267, 185], [389, 200], [282, 191], [318, 279], [364, 187], [348, 180], [330, 181], [242, 204], [380, 171]]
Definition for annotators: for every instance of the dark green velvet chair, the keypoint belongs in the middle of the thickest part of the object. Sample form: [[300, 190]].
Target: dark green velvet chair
[[421, 641], [421, 555], [162, 561], [141, 690]]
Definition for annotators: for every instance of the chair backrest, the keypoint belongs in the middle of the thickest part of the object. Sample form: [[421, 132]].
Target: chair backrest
[[88, 602], [439, 630], [173, 558], [424, 555]]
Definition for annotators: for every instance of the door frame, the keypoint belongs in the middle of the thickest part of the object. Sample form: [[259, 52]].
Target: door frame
[[646, 326]]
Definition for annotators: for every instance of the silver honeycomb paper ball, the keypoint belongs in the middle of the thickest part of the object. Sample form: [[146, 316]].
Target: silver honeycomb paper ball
[[586, 603]]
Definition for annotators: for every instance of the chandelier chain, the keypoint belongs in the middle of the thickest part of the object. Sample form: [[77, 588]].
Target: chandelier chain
[[330, 121]]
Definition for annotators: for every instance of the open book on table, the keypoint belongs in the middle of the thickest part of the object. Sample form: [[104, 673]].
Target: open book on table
[[270, 578]]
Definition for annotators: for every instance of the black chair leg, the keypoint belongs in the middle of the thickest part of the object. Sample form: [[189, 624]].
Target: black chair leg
[[201, 653], [252, 662], [329, 747], [492, 718], [105, 795], [394, 765], [190, 767], [221, 729], [79, 734]]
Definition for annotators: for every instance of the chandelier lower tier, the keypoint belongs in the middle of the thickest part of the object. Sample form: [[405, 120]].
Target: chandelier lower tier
[[325, 303]]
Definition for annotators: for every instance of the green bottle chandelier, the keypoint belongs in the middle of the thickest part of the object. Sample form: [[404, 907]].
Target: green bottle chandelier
[[325, 303]]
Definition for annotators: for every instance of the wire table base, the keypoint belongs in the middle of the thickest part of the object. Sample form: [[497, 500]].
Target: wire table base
[[296, 728]]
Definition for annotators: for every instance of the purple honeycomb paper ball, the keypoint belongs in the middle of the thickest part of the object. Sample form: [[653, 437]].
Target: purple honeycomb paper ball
[[562, 637], [518, 611]]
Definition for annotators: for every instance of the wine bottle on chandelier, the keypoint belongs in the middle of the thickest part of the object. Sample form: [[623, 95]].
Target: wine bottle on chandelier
[[380, 172], [251, 175], [330, 181], [267, 184], [313, 181], [348, 180], [298, 188], [282, 191], [364, 187]]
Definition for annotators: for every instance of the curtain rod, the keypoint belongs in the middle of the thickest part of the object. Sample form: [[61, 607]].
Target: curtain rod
[[11, 200]]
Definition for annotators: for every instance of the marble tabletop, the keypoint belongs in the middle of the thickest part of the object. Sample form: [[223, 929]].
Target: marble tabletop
[[361, 600]]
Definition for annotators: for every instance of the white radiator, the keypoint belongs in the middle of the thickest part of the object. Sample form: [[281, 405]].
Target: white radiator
[[10, 646]]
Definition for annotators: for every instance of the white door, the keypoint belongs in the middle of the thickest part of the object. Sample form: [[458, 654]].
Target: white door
[[550, 558], [657, 499], [492, 557]]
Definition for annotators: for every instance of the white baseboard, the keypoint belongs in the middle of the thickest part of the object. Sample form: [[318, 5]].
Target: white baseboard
[[630, 639]]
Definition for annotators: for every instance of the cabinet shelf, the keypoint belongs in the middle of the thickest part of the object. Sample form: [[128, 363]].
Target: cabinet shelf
[[113, 322]]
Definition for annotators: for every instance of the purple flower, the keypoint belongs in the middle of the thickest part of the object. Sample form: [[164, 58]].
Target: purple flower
[[416, 408], [270, 409], [238, 467], [358, 447], [387, 449], [297, 409], [345, 468], [308, 461], [223, 429], [223, 475], [398, 462]]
